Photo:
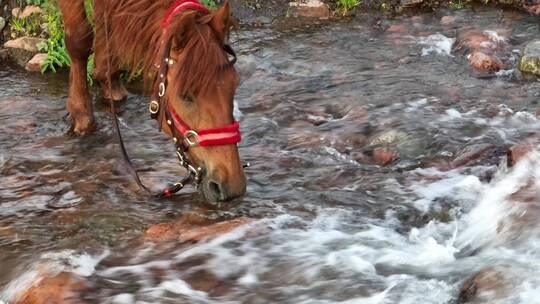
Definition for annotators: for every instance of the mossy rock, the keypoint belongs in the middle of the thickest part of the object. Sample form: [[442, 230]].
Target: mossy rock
[[530, 62]]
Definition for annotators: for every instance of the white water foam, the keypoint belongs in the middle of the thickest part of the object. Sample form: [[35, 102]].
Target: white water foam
[[436, 44], [49, 265]]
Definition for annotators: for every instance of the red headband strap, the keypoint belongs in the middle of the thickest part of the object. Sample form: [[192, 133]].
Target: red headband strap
[[180, 6]]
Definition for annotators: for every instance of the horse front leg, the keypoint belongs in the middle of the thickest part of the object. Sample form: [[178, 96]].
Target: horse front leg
[[79, 38], [106, 69]]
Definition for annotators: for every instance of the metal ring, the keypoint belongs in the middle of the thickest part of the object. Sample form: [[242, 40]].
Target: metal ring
[[153, 107], [161, 92], [192, 138]]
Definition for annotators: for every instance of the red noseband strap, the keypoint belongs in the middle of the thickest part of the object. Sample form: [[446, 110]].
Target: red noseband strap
[[180, 6], [227, 135]]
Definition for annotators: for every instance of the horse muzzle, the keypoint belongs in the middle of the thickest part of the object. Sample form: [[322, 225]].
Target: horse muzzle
[[216, 190]]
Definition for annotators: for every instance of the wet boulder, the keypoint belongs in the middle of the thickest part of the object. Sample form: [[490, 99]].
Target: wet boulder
[[474, 40], [448, 20], [34, 65], [185, 230], [398, 29], [23, 49], [384, 156], [521, 149], [309, 8], [485, 62], [530, 62], [64, 288], [533, 9], [488, 285]]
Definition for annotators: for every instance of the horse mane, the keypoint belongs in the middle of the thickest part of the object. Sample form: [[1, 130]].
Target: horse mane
[[136, 38]]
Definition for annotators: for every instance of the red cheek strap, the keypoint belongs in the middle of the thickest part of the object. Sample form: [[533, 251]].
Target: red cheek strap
[[227, 135]]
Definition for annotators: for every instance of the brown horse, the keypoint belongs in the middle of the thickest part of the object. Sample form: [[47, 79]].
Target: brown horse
[[129, 35]]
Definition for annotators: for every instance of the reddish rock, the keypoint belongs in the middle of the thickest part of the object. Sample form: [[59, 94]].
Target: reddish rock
[[534, 9], [397, 28], [538, 111], [16, 12], [448, 20], [476, 40], [472, 154], [310, 8], [64, 288], [186, 231], [384, 156], [521, 149], [484, 62], [488, 285], [530, 193], [29, 44], [34, 65], [29, 10]]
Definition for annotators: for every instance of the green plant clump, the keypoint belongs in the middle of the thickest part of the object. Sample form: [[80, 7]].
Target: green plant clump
[[346, 6], [211, 4]]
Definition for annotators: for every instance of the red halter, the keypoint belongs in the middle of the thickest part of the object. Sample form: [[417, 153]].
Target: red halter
[[227, 135]]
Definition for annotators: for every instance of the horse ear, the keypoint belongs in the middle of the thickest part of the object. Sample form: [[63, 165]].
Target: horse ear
[[185, 27], [222, 21]]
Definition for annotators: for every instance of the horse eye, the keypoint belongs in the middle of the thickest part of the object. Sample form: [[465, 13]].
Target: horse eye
[[188, 97]]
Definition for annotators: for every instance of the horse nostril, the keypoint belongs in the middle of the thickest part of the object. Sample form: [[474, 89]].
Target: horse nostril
[[216, 190]]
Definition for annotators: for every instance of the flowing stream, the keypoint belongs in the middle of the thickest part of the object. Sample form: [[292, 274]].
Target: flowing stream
[[329, 225]]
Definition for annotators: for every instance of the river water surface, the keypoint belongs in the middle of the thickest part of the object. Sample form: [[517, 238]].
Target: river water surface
[[329, 225]]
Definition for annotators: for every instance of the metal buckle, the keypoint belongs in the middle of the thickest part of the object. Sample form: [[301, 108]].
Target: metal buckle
[[192, 138], [153, 107], [180, 157], [161, 92], [193, 171]]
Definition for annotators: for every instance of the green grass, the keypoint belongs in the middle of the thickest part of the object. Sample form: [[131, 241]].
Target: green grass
[[345, 7], [211, 4]]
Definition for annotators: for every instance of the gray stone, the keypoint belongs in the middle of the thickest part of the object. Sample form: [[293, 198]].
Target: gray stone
[[4, 55], [2, 24], [530, 62]]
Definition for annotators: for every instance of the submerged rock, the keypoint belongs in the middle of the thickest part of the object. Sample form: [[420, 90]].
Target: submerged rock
[[485, 62], [384, 156], [488, 285], [61, 289], [519, 150], [34, 65], [530, 62], [309, 8], [448, 20], [186, 231]]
